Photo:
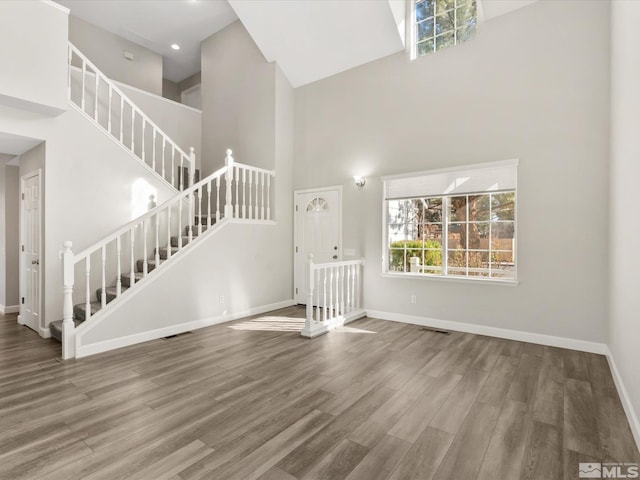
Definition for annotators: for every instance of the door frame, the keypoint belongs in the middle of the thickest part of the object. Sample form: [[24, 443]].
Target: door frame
[[44, 332], [295, 228]]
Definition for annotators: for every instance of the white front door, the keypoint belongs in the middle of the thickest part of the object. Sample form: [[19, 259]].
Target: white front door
[[318, 232], [30, 265]]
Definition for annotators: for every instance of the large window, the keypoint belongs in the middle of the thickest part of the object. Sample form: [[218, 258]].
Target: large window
[[462, 225], [439, 24]]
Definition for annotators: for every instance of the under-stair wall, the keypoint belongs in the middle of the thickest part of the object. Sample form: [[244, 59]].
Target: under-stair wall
[[233, 272]]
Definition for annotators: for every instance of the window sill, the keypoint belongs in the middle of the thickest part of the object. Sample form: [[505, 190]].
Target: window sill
[[451, 279]]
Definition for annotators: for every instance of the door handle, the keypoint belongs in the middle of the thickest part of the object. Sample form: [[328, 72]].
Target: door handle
[[35, 262], [335, 257]]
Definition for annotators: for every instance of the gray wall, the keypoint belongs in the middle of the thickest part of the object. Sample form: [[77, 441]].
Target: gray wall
[[106, 49], [170, 90], [238, 100], [513, 92], [624, 329], [11, 246], [173, 91]]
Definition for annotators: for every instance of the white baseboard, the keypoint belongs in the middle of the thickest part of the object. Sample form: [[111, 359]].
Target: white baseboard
[[94, 348], [624, 398], [4, 309], [540, 339], [44, 332], [318, 329]]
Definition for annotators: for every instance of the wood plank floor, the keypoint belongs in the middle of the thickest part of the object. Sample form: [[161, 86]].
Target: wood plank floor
[[253, 400]]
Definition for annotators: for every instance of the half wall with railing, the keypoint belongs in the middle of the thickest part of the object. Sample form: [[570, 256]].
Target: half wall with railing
[[100, 99], [334, 295]]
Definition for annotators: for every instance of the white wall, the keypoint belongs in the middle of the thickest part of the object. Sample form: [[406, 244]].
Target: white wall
[[511, 93], [106, 51], [33, 56], [624, 328], [238, 99], [183, 124]]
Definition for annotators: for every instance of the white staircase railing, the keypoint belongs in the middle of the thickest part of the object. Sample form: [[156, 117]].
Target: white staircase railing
[[100, 99], [163, 230], [334, 295]]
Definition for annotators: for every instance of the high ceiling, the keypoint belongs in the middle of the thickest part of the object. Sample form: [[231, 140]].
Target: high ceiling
[[156, 24], [310, 39]]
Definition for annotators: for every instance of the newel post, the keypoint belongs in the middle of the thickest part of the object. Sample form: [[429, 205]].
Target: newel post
[[228, 207], [307, 330], [68, 327]]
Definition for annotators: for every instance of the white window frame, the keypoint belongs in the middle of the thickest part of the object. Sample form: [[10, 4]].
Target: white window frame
[[445, 221], [412, 29]]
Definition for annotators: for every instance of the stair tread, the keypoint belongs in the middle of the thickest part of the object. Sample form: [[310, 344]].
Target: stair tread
[[56, 328]]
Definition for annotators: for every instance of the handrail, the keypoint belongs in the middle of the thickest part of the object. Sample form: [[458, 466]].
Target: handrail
[[154, 211], [255, 169], [120, 93], [358, 261], [151, 213]]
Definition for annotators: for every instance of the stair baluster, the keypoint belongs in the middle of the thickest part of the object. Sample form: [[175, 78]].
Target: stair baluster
[[84, 74], [95, 111], [103, 295], [132, 273], [153, 151], [179, 226], [262, 196], [109, 115], [87, 313], [121, 119], [244, 193], [217, 199], [268, 197], [157, 249], [119, 268], [163, 150], [145, 265], [173, 166], [199, 211], [228, 207], [255, 215], [250, 204], [168, 233], [209, 204], [237, 206]]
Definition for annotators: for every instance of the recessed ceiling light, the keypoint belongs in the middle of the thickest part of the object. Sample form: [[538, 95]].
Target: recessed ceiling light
[[175, 46]]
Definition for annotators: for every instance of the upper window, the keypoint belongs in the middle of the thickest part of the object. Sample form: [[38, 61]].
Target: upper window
[[441, 23], [452, 223]]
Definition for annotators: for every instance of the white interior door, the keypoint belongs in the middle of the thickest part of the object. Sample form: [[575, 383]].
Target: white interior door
[[318, 232], [31, 245]]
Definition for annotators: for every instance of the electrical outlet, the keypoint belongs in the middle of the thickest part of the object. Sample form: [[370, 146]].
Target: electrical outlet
[[414, 299], [221, 299]]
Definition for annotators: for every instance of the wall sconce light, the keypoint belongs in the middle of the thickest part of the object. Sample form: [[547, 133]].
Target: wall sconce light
[[360, 181]]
